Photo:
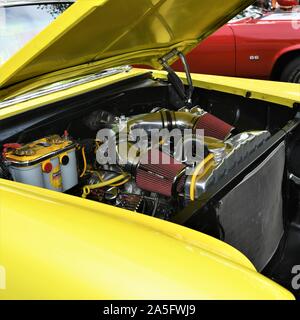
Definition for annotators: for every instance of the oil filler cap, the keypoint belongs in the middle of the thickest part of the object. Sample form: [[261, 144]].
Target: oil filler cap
[[47, 167]]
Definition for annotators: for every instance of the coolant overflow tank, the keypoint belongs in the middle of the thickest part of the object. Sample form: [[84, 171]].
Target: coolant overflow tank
[[47, 163]]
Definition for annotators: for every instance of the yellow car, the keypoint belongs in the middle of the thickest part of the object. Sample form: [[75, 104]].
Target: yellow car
[[126, 183]]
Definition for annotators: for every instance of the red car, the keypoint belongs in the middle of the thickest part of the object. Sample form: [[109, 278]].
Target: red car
[[266, 46]]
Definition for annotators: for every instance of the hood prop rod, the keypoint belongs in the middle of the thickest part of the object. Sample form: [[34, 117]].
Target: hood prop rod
[[175, 80]]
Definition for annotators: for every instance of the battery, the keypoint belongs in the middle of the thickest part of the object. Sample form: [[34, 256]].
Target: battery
[[48, 163]]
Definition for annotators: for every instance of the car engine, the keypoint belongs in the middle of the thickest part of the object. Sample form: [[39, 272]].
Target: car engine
[[157, 188]]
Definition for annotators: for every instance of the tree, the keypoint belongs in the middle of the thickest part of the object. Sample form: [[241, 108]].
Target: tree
[[54, 9]]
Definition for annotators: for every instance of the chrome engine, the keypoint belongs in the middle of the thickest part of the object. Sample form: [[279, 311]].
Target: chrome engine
[[152, 163], [157, 187]]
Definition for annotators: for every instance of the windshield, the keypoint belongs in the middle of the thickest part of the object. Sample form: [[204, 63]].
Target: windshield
[[254, 12], [19, 24]]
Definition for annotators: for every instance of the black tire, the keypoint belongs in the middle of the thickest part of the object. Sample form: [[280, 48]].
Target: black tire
[[291, 72]]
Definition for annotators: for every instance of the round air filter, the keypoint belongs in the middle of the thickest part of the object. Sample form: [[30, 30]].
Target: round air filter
[[213, 126], [165, 175]]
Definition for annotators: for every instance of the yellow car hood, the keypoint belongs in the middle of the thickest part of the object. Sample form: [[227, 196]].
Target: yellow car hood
[[117, 32]]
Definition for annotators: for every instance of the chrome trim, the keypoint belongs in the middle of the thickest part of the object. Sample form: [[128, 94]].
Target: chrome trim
[[63, 85], [294, 179]]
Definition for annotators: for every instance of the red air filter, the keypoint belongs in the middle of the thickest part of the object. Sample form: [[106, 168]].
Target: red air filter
[[213, 126], [164, 175]]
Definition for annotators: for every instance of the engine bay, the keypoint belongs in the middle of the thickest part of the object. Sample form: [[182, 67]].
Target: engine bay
[[61, 163], [77, 147]]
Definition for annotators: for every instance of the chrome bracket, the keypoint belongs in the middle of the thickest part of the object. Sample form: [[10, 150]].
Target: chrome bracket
[[164, 61], [294, 179]]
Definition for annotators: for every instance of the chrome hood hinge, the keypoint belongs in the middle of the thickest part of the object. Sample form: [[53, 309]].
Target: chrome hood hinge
[[184, 94]]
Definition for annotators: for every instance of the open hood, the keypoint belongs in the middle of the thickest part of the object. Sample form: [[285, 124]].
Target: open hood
[[108, 33]]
